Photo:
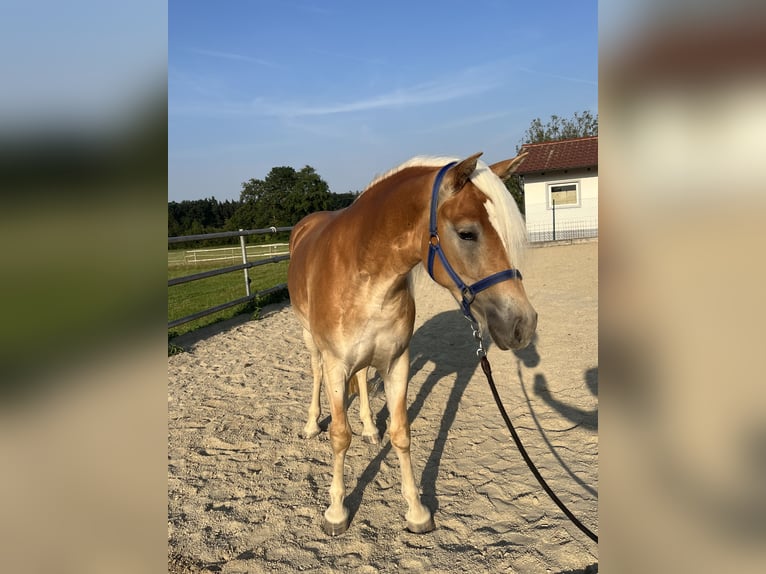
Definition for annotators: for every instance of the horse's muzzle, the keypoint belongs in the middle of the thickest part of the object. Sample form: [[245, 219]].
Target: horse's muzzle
[[515, 332]]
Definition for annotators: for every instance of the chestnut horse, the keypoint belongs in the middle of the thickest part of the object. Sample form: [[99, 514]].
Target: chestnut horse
[[350, 286]]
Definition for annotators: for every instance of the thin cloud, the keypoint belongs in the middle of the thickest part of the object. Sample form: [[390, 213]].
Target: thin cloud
[[558, 77], [465, 122], [422, 94], [459, 85], [232, 56], [350, 57]]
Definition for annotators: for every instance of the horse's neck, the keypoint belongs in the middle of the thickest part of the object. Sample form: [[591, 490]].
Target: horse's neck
[[392, 221]]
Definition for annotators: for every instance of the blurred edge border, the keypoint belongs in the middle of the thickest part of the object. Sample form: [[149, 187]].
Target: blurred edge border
[[83, 400]]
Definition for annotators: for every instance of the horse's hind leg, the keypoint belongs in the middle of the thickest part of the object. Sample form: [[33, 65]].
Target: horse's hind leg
[[315, 410], [370, 432], [336, 515], [419, 519]]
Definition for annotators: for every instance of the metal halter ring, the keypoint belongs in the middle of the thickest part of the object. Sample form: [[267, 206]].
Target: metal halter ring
[[468, 295]]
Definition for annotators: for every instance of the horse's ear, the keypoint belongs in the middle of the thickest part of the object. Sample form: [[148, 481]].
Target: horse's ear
[[504, 169], [458, 175]]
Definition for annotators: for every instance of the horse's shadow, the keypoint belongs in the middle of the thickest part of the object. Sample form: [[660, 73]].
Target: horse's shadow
[[446, 342], [451, 334], [586, 419], [530, 358]]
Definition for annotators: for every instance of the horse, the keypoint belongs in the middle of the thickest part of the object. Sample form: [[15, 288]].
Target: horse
[[350, 281]]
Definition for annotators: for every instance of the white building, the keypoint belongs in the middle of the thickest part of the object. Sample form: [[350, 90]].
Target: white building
[[560, 182]]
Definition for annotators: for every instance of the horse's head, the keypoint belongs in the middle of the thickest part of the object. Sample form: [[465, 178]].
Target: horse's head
[[480, 233]]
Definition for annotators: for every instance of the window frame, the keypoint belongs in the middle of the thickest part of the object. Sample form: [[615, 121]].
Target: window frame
[[549, 194]]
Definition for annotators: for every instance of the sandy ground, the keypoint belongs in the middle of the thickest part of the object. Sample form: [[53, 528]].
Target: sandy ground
[[246, 494]]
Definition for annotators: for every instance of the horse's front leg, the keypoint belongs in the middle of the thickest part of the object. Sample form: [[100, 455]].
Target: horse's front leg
[[336, 515], [419, 519]]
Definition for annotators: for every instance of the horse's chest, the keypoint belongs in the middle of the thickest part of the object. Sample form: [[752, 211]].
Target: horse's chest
[[379, 333], [381, 341]]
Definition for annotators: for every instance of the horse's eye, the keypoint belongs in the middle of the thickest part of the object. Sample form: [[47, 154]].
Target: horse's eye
[[467, 235]]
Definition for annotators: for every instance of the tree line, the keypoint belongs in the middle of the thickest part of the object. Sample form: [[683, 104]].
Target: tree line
[[285, 195], [281, 199]]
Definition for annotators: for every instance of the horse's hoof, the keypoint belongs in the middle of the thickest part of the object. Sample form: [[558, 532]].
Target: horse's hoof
[[305, 434], [371, 438], [426, 526], [332, 529]]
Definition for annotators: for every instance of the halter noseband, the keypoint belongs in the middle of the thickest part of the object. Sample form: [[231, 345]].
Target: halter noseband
[[468, 292]]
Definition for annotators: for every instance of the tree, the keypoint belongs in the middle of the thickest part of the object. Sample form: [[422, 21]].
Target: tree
[[583, 124], [341, 200], [190, 217], [309, 193], [281, 199]]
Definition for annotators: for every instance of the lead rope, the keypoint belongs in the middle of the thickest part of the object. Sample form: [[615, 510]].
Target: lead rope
[[486, 367]]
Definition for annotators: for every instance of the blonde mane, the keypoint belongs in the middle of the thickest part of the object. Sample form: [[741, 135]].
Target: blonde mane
[[508, 220]]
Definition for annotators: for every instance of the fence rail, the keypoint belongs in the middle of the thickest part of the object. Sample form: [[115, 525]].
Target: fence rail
[[244, 266], [194, 256], [223, 234], [563, 230]]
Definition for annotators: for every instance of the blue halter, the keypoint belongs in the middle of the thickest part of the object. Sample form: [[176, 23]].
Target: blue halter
[[468, 292]]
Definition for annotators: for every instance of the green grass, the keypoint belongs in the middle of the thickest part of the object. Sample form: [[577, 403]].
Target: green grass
[[189, 298]]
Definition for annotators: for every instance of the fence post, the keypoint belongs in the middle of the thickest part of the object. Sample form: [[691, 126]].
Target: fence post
[[244, 260], [554, 219]]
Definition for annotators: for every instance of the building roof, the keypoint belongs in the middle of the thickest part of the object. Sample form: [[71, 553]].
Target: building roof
[[559, 155]]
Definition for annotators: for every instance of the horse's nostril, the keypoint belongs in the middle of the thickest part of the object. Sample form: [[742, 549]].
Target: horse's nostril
[[517, 331]]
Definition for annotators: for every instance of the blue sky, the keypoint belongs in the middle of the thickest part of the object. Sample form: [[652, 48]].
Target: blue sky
[[353, 88]]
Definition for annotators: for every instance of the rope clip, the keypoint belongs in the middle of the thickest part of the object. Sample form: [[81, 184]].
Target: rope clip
[[476, 329]]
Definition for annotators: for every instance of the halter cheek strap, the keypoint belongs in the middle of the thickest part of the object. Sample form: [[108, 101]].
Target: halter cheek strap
[[468, 292]]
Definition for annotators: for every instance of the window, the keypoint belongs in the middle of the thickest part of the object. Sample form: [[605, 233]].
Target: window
[[564, 194]]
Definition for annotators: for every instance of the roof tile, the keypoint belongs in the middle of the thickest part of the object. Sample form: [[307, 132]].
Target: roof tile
[[559, 155]]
